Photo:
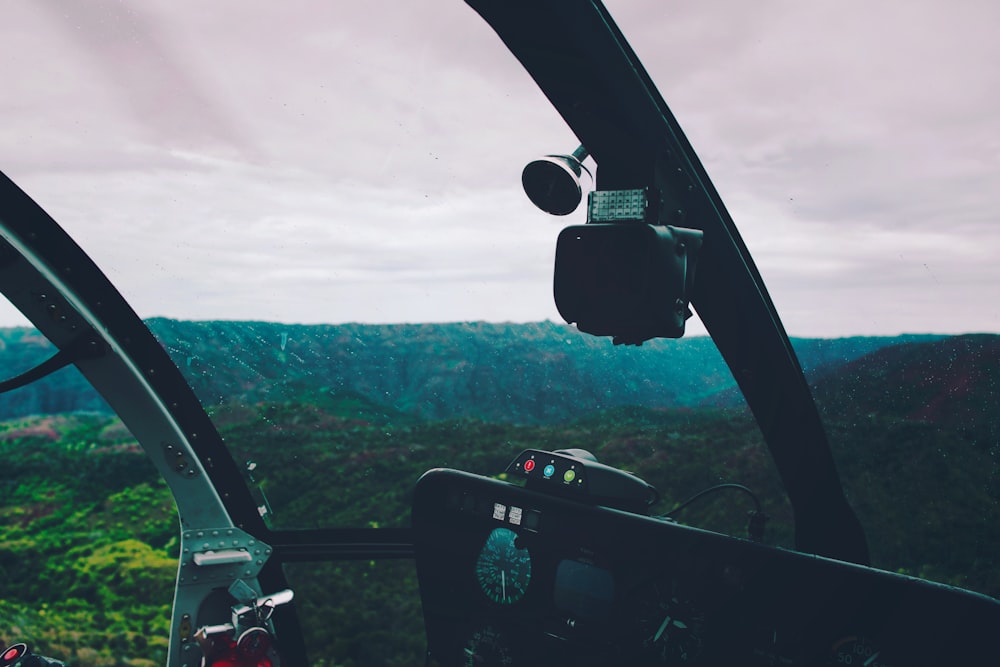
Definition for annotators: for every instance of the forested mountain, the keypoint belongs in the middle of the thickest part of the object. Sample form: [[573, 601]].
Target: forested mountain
[[952, 383], [88, 535], [518, 373], [23, 348]]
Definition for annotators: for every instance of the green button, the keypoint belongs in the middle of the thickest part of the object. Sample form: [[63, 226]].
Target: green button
[[569, 475]]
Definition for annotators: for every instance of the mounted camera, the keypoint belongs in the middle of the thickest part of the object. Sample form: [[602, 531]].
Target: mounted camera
[[623, 274]]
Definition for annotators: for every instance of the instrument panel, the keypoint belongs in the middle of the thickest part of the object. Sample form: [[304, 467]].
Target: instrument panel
[[512, 576]]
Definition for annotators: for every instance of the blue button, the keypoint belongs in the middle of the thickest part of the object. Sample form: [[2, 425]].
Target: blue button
[[549, 470]]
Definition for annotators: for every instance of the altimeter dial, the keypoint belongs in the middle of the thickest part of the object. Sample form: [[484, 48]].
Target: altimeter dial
[[857, 651], [486, 648], [671, 627], [503, 569]]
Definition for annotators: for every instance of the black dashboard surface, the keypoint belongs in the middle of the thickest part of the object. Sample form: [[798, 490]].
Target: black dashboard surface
[[511, 576]]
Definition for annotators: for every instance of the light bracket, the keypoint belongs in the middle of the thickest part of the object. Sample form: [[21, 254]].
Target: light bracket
[[620, 206]]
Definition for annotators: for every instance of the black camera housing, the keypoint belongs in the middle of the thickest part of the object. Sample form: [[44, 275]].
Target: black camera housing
[[627, 280]]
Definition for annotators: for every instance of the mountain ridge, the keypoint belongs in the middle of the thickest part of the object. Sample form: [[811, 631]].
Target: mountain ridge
[[523, 373]]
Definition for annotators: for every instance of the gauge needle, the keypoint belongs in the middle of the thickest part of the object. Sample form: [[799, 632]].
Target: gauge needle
[[663, 626], [871, 659], [503, 583]]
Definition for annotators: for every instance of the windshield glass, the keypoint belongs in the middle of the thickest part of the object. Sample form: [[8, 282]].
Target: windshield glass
[[317, 209]]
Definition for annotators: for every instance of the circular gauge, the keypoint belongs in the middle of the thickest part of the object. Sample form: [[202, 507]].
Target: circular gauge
[[858, 651], [672, 628], [503, 569], [486, 649]]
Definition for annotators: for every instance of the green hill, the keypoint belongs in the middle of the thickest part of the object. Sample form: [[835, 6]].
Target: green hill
[[520, 373], [88, 533]]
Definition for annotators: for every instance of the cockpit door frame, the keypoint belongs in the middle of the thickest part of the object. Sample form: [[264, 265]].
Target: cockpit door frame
[[46, 275]]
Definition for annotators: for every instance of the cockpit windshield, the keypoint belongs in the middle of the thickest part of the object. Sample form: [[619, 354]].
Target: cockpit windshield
[[317, 210]]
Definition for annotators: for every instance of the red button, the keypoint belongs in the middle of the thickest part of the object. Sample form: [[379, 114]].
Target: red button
[[529, 465], [12, 654]]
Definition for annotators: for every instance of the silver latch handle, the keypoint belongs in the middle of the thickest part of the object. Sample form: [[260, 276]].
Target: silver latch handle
[[225, 557]]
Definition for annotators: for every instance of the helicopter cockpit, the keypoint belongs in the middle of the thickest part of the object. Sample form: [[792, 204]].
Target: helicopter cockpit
[[552, 548]]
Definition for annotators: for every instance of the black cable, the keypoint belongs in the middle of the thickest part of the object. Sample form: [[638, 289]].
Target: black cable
[[713, 489], [84, 347], [755, 526]]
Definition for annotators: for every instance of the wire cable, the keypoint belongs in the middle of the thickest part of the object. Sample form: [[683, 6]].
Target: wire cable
[[755, 525]]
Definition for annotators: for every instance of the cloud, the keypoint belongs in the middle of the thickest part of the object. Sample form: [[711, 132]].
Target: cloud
[[361, 161], [857, 148], [237, 241]]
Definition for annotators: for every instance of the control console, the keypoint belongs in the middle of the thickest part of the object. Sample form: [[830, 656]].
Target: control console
[[513, 575]]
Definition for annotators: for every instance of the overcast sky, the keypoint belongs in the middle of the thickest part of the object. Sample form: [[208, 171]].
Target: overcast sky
[[333, 162]]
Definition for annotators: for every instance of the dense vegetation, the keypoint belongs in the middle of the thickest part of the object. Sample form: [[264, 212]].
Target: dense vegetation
[[520, 373], [88, 535], [88, 542]]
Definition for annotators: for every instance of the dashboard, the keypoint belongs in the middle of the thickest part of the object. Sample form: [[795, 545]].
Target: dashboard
[[511, 575]]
